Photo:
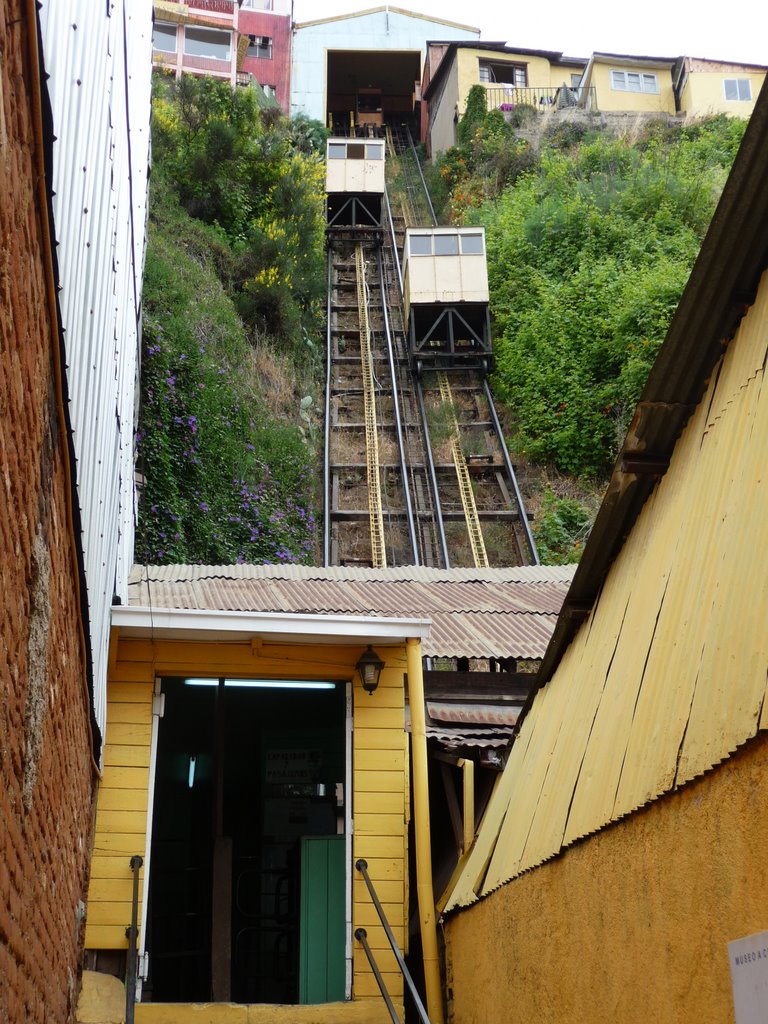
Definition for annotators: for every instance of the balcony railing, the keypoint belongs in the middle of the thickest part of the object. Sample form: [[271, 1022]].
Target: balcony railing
[[209, 6], [507, 97]]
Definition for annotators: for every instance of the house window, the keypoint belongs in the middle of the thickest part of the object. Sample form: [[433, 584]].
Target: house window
[[258, 5], [164, 38], [260, 46], [446, 245], [420, 245], [472, 244], [498, 73], [575, 80], [738, 88], [207, 42], [634, 81]]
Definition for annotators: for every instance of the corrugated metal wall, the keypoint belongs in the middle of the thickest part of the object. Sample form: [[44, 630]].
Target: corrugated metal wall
[[98, 57], [668, 676]]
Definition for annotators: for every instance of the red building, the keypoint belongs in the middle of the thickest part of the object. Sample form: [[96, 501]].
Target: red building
[[239, 41]]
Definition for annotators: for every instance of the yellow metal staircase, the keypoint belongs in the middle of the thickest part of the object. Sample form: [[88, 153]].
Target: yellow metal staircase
[[465, 484]]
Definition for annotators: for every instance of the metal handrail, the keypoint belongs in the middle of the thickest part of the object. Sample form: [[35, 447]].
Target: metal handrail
[[421, 175], [362, 867], [132, 933], [362, 937]]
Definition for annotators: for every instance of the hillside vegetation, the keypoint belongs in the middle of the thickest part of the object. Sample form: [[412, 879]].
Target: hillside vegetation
[[591, 238], [233, 295]]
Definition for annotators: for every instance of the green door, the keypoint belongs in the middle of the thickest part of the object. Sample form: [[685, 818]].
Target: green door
[[321, 928]]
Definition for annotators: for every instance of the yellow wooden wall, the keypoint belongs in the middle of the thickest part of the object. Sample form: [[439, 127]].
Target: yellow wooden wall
[[380, 778], [667, 677]]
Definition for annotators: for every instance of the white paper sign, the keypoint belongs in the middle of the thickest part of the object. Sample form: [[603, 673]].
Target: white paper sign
[[749, 975]]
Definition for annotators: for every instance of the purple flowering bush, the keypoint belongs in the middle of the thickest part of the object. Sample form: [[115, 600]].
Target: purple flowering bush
[[223, 481]]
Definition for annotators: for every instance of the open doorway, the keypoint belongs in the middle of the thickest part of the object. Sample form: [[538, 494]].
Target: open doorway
[[248, 883], [371, 88]]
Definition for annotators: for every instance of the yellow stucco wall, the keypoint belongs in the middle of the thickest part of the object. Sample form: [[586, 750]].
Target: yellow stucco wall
[[380, 798], [630, 925], [704, 93], [609, 99], [468, 61], [559, 74]]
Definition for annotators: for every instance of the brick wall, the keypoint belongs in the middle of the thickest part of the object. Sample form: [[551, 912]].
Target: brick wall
[[46, 778]]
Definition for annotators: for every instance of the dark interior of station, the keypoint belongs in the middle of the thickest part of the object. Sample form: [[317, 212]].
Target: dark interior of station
[[372, 88]]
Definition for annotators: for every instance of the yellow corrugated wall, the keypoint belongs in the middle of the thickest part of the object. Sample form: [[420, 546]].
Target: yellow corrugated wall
[[380, 779], [668, 676]]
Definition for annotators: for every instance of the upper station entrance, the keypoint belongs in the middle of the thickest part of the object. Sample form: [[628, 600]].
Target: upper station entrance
[[367, 89]]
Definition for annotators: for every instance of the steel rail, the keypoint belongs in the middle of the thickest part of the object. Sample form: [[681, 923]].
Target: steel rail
[[511, 471], [395, 253], [438, 508], [327, 440], [475, 531], [378, 544], [421, 175], [362, 867], [398, 417]]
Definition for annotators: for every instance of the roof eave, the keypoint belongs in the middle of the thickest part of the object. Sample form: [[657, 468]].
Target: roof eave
[[204, 624]]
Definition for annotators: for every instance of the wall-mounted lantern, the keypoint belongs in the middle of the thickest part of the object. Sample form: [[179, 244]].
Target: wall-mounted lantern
[[369, 668]]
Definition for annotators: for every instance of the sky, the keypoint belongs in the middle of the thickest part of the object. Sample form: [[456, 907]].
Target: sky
[[658, 28]]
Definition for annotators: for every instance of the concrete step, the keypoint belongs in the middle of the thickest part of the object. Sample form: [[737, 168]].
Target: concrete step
[[364, 1011]]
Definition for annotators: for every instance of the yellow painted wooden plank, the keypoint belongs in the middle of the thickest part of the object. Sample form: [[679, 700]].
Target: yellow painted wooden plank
[[379, 718], [120, 776], [385, 803], [383, 869], [377, 739], [385, 959], [385, 697], [113, 914], [365, 914], [103, 867], [378, 846], [126, 822], [388, 892], [128, 734], [378, 782], [378, 824], [105, 936], [129, 712], [110, 890], [132, 672], [110, 799], [124, 756], [129, 693], [381, 760], [365, 985], [377, 937], [119, 844]]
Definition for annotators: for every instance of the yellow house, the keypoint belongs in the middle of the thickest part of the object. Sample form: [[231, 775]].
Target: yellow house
[[620, 870], [250, 768], [717, 87], [510, 77], [622, 82]]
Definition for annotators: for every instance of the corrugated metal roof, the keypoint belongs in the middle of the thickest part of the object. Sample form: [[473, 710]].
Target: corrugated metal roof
[[495, 613], [666, 678], [474, 714], [98, 58]]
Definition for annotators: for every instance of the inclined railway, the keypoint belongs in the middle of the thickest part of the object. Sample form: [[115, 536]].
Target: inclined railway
[[416, 471]]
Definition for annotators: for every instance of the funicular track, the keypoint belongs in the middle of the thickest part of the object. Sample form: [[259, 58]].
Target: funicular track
[[416, 468]]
